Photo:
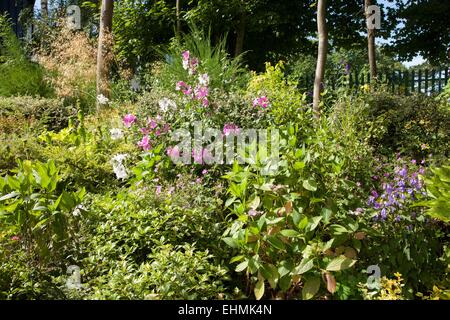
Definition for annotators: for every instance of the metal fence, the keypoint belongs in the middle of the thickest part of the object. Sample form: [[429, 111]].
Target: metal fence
[[426, 81]]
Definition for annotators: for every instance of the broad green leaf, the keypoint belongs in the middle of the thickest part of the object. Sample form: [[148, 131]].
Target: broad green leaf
[[310, 288], [304, 266], [276, 243], [289, 233], [9, 196], [340, 263], [242, 266], [231, 242], [259, 289], [310, 185]]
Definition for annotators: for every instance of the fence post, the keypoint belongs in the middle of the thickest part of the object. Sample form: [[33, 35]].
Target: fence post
[[440, 84], [446, 75], [406, 81], [432, 80], [426, 81], [420, 81], [393, 81], [413, 80]]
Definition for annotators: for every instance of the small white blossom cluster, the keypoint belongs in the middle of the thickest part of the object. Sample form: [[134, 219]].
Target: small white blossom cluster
[[116, 133], [102, 100], [118, 166], [165, 104]]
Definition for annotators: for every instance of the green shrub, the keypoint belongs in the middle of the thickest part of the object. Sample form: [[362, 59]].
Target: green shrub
[[19, 75], [414, 125], [36, 209], [51, 114]]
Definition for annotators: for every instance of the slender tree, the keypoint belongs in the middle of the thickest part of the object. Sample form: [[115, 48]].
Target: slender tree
[[321, 54], [178, 17], [240, 34], [104, 49], [371, 41], [44, 9]]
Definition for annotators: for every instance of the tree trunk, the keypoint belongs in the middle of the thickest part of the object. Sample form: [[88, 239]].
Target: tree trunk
[[371, 44], [321, 55], [104, 49], [178, 17], [240, 35], [44, 9]]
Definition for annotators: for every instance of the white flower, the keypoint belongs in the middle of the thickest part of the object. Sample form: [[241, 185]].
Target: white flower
[[102, 99], [118, 166], [116, 133], [185, 64], [165, 104], [203, 79], [77, 211], [135, 84]]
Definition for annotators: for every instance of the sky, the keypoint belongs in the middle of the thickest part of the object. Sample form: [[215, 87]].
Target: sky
[[416, 61]]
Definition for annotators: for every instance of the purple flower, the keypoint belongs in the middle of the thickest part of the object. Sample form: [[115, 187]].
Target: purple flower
[[158, 189], [145, 143], [230, 129], [129, 119]]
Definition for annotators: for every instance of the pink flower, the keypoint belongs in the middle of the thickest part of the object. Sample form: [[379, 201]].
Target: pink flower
[[198, 180], [187, 91], [204, 171], [144, 131], [145, 143], [173, 152], [166, 127], [158, 189], [201, 92], [152, 124], [205, 102], [128, 120], [180, 85], [230, 128], [198, 156], [15, 238], [261, 101], [185, 55]]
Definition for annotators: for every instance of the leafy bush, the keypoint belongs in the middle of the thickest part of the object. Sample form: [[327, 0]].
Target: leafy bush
[[292, 229], [34, 210], [19, 75], [438, 189], [51, 114], [400, 237], [414, 125]]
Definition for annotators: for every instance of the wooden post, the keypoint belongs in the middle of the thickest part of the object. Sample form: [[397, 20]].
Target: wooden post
[[420, 82]]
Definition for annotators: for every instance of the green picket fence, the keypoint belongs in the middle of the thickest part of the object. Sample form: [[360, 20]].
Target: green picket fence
[[427, 81]]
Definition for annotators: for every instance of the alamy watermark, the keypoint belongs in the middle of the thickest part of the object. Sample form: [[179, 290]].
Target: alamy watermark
[[259, 147]]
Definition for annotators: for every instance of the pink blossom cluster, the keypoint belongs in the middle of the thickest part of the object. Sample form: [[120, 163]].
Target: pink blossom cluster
[[189, 64], [200, 91], [262, 102], [153, 128], [230, 129]]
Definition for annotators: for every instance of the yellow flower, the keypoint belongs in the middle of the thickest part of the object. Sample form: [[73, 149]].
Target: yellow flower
[[365, 88]]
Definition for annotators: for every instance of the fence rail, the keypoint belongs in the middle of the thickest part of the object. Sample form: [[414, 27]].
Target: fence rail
[[426, 81]]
